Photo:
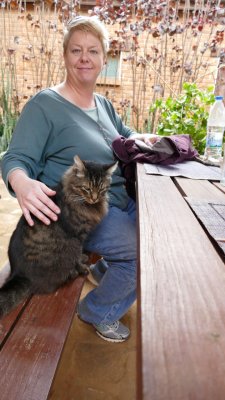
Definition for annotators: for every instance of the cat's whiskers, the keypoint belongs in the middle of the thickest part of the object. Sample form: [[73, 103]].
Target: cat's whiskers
[[76, 198]]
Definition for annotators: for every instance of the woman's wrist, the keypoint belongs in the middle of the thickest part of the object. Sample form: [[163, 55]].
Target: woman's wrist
[[15, 175]]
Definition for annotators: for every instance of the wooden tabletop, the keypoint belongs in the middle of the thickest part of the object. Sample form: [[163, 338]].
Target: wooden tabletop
[[181, 293]]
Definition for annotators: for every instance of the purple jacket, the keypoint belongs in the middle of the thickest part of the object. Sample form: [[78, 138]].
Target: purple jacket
[[167, 150]]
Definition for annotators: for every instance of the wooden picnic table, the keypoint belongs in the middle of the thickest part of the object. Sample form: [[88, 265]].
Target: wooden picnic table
[[181, 293]]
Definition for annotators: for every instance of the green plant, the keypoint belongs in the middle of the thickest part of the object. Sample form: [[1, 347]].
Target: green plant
[[186, 114], [9, 112], [7, 125]]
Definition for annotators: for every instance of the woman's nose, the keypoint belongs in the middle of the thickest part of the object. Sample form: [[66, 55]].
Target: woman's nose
[[84, 56]]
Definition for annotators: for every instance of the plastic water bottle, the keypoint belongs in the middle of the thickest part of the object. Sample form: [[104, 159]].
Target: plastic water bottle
[[222, 179], [215, 129]]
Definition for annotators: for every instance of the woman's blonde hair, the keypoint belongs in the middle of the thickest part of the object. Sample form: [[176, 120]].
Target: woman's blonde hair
[[87, 24]]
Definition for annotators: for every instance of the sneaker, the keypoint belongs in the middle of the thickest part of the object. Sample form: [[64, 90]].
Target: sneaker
[[115, 332]]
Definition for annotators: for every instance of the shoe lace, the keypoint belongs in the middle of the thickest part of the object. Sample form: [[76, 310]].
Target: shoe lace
[[114, 325]]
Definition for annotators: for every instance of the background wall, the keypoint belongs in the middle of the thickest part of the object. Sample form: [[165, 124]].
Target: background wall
[[153, 62]]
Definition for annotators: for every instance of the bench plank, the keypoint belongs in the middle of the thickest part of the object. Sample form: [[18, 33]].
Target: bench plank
[[29, 358], [8, 322], [181, 310]]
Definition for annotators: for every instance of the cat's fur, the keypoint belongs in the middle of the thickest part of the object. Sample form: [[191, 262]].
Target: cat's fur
[[42, 258]]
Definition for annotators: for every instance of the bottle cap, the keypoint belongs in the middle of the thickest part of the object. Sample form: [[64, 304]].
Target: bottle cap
[[219, 97]]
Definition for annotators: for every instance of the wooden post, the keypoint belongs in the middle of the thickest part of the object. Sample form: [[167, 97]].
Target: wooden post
[[220, 80]]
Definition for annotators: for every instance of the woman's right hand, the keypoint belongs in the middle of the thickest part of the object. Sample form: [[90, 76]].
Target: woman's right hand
[[33, 198]]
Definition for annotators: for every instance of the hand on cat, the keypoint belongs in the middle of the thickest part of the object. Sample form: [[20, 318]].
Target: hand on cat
[[33, 198]]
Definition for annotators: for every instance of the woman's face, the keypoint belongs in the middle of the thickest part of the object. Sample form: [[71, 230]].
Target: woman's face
[[84, 58]]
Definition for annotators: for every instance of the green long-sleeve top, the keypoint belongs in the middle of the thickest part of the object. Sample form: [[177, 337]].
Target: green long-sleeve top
[[52, 130]]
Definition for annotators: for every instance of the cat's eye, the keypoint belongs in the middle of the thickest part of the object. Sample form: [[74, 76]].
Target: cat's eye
[[86, 189], [103, 190]]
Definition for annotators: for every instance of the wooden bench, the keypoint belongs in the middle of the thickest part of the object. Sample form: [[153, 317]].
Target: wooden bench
[[181, 293], [32, 339]]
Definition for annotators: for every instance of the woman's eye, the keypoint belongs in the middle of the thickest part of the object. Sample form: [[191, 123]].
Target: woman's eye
[[93, 52], [76, 51]]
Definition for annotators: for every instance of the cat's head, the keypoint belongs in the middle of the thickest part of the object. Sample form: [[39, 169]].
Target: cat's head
[[88, 181]]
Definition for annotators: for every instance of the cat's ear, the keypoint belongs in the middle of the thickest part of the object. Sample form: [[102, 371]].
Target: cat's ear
[[79, 166], [110, 169]]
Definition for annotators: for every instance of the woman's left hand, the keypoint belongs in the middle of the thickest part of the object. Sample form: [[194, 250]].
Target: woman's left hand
[[147, 138]]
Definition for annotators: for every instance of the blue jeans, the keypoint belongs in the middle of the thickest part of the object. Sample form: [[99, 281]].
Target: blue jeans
[[115, 240]]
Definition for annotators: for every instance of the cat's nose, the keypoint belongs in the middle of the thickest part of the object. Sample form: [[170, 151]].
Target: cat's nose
[[91, 201], [94, 197]]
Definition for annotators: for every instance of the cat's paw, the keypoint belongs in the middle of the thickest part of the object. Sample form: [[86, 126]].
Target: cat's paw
[[82, 269], [85, 271], [84, 259], [73, 274]]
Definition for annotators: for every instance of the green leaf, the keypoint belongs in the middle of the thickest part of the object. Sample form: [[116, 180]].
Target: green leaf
[[188, 113]]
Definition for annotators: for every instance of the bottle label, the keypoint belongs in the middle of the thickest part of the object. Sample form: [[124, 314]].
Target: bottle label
[[212, 142], [214, 138]]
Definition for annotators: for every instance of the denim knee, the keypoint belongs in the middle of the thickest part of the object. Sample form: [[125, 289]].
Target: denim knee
[[115, 237]]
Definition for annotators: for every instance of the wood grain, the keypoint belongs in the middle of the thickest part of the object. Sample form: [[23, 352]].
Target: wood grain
[[221, 187], [181, 298], [30, 356], [8, 323], [200, 189]]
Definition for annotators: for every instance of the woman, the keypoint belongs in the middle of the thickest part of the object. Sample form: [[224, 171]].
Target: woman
[[56, 124]]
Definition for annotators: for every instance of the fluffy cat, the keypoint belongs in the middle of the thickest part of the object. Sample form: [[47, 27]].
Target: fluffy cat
[[42, 258]]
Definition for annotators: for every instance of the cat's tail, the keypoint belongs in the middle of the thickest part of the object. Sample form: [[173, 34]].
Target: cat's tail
[[13, 293]]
